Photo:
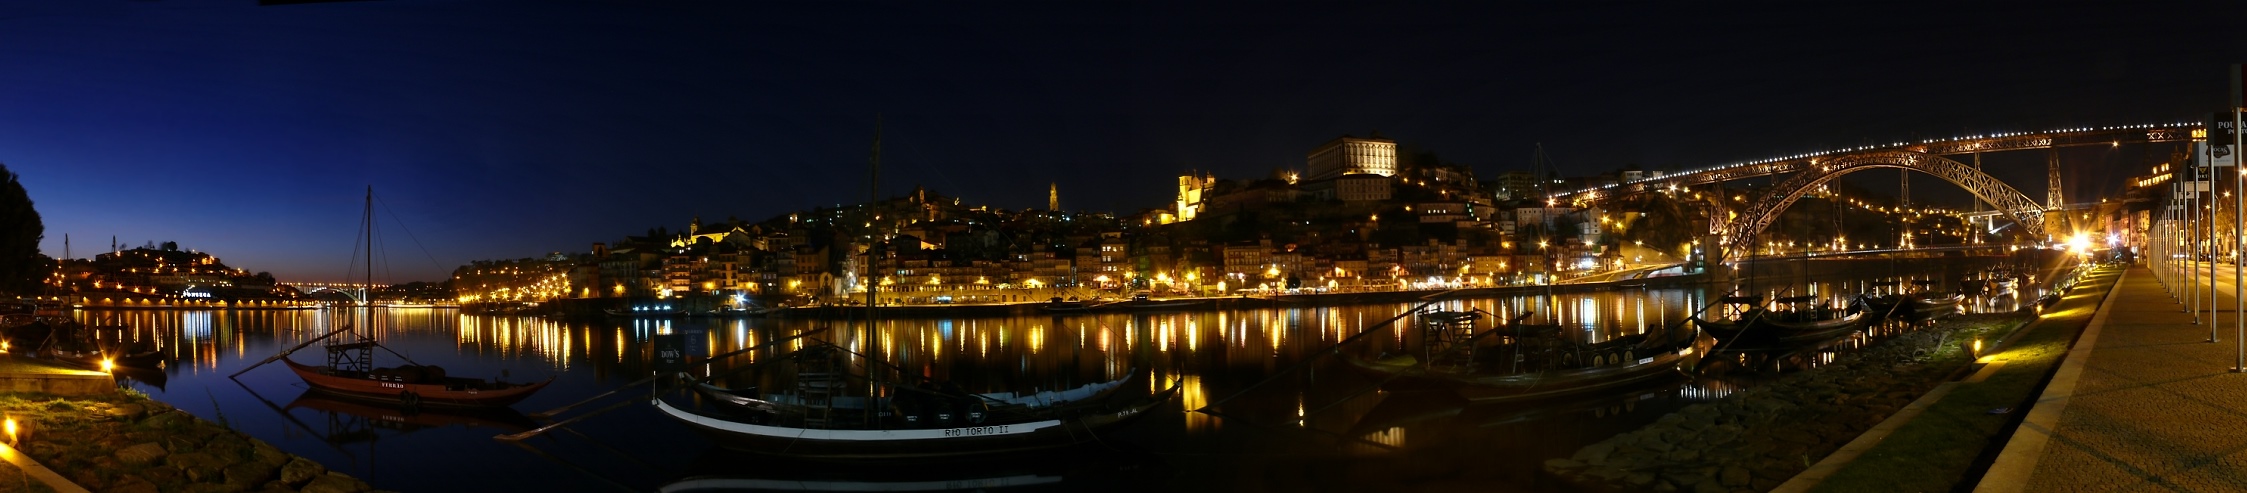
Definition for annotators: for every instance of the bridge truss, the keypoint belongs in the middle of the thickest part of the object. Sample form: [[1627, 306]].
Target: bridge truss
[[2079, 137], [1739, 235]]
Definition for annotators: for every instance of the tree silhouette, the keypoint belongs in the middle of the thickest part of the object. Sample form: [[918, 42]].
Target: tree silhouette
[[21, 266]]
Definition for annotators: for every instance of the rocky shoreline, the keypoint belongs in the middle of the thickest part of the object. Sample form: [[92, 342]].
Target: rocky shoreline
[[130, 443], [1753, 440]]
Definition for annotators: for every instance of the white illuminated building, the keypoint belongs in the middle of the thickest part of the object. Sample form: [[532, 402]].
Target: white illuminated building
[[1348, 155]]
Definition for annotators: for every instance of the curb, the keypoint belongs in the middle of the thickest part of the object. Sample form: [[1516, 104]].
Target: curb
[[35, 471], [1840, 458], [2010, 472]]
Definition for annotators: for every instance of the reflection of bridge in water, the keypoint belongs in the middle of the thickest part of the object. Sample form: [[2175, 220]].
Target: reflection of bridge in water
[[1812, 170]]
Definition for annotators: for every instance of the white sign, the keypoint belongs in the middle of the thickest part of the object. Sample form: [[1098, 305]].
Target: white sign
[[2215, 154]]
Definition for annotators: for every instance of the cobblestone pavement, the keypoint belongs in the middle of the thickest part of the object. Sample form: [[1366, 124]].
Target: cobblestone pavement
[[2155, 408]]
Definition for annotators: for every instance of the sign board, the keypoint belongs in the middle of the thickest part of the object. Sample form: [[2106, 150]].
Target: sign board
[[2221, 135], [2199, 171]]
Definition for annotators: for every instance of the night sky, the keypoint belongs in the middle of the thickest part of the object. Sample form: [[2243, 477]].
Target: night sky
[[511, 129]]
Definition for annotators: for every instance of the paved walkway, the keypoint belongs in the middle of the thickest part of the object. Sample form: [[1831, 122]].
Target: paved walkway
[[2141, 403]]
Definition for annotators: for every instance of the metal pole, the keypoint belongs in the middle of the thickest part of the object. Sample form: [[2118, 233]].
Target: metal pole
[[2192, 248], [2239, 208]]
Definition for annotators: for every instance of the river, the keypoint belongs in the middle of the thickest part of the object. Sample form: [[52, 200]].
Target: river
[[1276, 427]]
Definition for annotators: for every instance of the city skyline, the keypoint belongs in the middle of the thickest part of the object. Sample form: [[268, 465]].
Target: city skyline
[[507, 130]]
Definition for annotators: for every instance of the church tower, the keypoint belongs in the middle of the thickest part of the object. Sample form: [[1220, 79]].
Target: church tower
[[1053, 198]]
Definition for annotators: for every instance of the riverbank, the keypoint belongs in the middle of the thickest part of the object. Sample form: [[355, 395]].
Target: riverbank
[[127, 442], [593, 308], [1756, 440]]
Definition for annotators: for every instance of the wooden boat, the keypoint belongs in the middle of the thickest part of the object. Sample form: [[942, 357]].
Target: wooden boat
[[99, 348], [95, 359], [893, 439], [1802, 324], [1530, 363], [414, 385], [1914, 308], [1810, 325], [1740, 312], [411, 419], [926, 404], [350, 371], [1930, 306]]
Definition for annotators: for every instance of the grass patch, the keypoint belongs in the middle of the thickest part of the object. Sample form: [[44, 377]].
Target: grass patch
[[1934, 451]]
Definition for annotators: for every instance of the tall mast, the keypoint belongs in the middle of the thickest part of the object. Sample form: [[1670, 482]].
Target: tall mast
[[1544, 187], [366, 291], [873, 198], [874, 284]]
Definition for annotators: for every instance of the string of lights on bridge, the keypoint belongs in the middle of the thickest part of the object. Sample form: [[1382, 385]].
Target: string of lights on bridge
[[1897, 145]]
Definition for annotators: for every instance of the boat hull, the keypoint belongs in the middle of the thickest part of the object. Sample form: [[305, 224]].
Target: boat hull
[[1766, 332], [924, 443], [452, 392], [1525, 386]]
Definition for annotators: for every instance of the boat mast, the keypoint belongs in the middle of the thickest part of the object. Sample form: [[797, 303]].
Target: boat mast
[[366, 291], [1544, 186], [874, 284]]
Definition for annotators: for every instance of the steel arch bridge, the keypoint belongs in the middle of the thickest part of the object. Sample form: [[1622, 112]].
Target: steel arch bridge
[[2003, 142], [356, 294], [1739, 235]]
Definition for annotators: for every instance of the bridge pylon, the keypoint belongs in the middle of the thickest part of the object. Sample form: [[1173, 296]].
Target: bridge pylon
[[2053, 202]]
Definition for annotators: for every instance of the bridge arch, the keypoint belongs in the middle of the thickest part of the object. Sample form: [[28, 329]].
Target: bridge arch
[[356, 295], [1739, 235]]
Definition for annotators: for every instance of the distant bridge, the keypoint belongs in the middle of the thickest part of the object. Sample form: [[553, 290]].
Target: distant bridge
[[1815, 169], [355, 291], [2077, 137]]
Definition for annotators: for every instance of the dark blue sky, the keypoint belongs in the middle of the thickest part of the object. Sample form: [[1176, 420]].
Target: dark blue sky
[[509, 129]]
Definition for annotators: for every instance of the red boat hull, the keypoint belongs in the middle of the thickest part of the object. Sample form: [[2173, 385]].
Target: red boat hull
[[451, 392]]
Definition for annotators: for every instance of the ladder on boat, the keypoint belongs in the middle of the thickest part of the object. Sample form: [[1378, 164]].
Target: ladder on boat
[[352, 356], [1449, 338]]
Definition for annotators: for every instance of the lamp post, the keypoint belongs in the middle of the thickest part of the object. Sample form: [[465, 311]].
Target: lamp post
[[2239, 206]]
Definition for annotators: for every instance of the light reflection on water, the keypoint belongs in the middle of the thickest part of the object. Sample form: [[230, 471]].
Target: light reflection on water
[[1215, 356]]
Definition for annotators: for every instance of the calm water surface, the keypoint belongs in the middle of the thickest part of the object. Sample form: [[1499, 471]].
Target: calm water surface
[[1276, 427]]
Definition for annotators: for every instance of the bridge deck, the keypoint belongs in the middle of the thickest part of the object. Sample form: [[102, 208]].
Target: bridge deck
[[2076, 137]]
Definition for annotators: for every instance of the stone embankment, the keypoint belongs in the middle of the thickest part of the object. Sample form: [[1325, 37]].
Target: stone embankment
[[1753, 440], [129, 443]]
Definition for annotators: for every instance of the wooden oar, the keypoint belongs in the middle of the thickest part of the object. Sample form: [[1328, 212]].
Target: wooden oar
[[285, 353], [560, 410]]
